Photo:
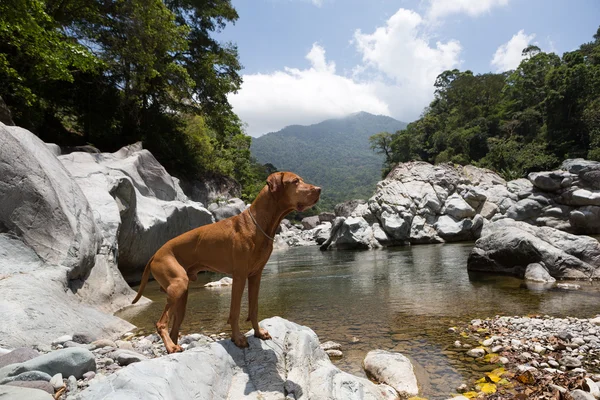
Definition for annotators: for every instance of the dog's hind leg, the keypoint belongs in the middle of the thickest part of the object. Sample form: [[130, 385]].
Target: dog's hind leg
[[178, 315], [172, 277]]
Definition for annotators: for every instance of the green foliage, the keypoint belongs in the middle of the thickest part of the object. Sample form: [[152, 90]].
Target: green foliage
[[112, 73], [334, 154], [526, 120]]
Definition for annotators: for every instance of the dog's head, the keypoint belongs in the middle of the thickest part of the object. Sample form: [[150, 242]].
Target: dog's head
[[292, 191]]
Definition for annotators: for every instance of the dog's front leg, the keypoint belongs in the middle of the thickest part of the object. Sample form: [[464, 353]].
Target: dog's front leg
[[253, 289], [239, 282]]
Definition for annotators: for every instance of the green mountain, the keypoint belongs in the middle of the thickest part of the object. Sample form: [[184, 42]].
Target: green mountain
[[334, 154]]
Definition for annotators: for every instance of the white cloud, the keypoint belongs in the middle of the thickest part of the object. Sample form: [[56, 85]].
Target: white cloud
[[268, 102], [317, 3], [473, 8], [509, 55], [396, 77]]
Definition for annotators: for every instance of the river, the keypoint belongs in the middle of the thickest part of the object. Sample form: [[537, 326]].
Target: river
[[401, 299]]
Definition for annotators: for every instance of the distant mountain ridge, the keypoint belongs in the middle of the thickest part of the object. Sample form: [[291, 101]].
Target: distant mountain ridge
[[333, 154]]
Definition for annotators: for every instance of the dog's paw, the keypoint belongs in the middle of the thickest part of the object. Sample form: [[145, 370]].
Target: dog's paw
[[240, 340], [262, 334], [174, 349]]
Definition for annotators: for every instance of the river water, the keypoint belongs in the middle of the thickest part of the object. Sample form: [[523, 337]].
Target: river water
[[400, 299]]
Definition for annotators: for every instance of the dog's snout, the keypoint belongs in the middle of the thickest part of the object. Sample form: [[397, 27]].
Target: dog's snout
[[317, 189]]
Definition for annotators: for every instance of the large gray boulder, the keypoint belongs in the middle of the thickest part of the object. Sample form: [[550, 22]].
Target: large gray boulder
[[352, 233], [291, 365], [509, 246], [137, 205], [57, 276], [19, 393]]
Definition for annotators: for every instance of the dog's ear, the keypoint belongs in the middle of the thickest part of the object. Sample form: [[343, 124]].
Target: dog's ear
[[275, 182]]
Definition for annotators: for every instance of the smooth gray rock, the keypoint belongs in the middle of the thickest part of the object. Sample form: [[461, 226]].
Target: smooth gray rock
[[137, 205], [18, 355], [224, 210], [354, 233], [9, 392], [126, 357], [547, 181], [310, 222], [41, 385], [453, 230], [292, 362], [326, 217], [27, 377], [393, 369], [345, 209], [579, 394], [71, 361], [538, 273], [458, 208], [575, 165], [508, 246], [41, 204]]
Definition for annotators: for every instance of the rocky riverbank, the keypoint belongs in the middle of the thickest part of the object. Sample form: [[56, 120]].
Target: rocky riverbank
[[538, 357]]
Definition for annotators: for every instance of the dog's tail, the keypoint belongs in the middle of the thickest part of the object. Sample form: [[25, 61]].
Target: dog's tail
[[145, 277]]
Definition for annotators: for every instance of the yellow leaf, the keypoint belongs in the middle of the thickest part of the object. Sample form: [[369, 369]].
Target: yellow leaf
[[498, 371], [481, 330], [464, 334], [504, 382], [470, 395], [488, 388], [493, 377], [416, 398], [482, 380], [489, 357]]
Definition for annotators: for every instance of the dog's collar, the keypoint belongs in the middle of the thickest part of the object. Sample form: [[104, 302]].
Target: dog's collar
[[259, 228]]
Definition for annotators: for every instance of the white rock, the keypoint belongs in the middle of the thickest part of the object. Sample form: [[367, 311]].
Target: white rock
[[393, 369], [57, 381], [225, 281], [476, 352]]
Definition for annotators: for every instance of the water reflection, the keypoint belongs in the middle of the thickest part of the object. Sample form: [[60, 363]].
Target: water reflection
[[402, 299]]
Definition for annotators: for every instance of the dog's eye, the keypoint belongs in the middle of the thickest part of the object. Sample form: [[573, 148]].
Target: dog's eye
[[296, 181]]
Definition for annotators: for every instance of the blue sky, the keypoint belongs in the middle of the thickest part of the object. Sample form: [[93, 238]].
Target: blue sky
[[309, 60]]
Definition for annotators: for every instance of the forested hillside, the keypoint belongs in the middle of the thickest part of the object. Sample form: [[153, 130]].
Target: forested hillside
[[111, 73], [334, 154], [529, 119]]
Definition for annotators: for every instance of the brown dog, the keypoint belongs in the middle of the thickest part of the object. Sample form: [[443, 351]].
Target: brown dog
[[239, 246]]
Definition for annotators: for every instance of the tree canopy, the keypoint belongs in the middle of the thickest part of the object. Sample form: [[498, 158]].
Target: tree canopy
[[525, 120], [109, 73]]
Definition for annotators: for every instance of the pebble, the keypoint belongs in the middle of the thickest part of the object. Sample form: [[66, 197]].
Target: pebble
[[89, 375], [334, 353], [57, 381], [570, 362], [476, 352], [488, 342], [61, 340], [329, 345]]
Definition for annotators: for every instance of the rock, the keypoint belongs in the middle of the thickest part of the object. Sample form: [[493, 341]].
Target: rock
[[291, 363], [537, 273], [138, 205], [126, 357], [310, 222], [26, 377], [225, 281], [89, 375], [458, 208], [71, 361], [570, 362], [123, 344], [564, 255], [62, 340], [393, 369], [40, 202], [546, 181], [21, 393], [568, 286], [453, 230], [41, 385], [98, 344], [345, 209], [334, 353], [353, 233], [489, 209], [84, 337], [487, 342], [329, 345], [57, 381], [422, 231], [226, 210], [593, 388], [211, 188], [576, 165], [53, 262], [525, 209], [71, 384], [326, 217], [579, 394], [476, 352], [17, 356]]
